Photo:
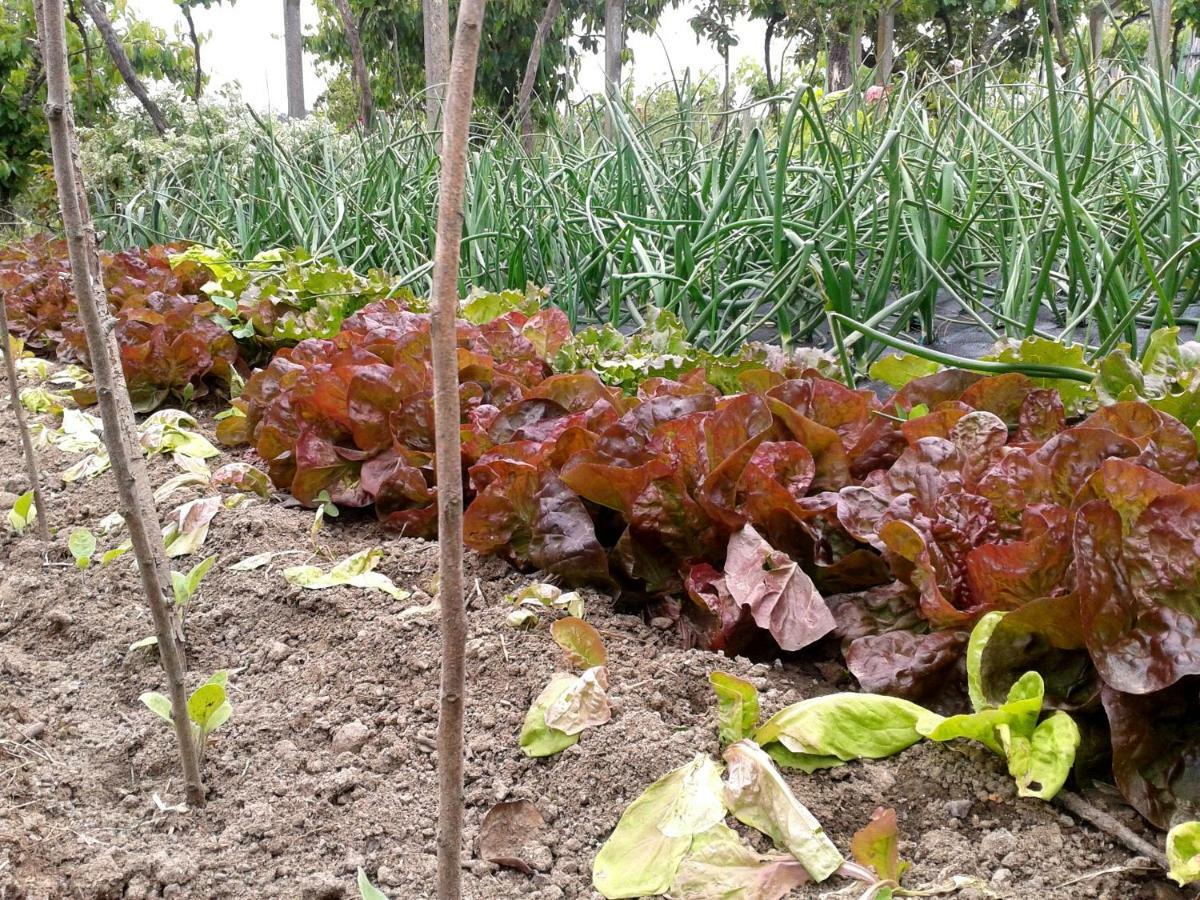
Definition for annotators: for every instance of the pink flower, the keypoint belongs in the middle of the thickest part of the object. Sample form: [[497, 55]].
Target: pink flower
[[874, 93]]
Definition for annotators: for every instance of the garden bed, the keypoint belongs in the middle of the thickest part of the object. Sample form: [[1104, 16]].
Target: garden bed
[[300, 795]]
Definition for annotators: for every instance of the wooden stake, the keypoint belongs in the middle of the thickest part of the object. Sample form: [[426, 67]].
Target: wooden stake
[[31, 465], [460, 94], [116, 412]]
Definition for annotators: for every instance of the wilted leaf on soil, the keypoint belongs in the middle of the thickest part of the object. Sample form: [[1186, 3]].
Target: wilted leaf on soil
[[757, 795], [581, 642], [657, 830], [188, 528], [538, 738], [356, 571], [877, 845], [721, 867], [506, 831], [584, 703]]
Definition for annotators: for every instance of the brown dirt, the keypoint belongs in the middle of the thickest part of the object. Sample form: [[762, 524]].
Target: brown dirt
[[81, 760]]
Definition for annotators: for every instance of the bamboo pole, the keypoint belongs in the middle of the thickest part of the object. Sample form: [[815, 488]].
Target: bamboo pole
[[128, 465], [459, 95]]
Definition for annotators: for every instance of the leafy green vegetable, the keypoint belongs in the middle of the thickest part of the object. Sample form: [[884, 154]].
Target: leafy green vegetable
[[1040, 755], [22, 513], [897, 370], [737, 706], [1183, 852], [656, 831], [828, 731], [356, 571], [82, 544], [975, 646]]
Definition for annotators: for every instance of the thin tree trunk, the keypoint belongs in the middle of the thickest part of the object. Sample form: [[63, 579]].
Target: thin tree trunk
[[525, 94], [1159, 50], [1060, 41], [293, 56], [772, 22], [31, 465], [460, 93], [436, 15], [1096, 16], [1191, 58], [199, 84], [116, 413], [837, 61], [366, 100], [95, 10], [885, 45], [614, 50]]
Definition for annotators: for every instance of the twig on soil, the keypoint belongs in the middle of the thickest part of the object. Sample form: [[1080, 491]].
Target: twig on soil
[[1110, 826], [1110, 870]]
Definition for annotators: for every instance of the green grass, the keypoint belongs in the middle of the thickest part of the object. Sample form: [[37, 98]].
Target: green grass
[[1069, 209]]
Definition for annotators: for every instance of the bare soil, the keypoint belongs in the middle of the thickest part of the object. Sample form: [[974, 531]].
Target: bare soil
[[89, 790]]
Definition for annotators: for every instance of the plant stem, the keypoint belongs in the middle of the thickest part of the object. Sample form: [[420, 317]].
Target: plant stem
[[129, 467], [31, 465], [460, 94]]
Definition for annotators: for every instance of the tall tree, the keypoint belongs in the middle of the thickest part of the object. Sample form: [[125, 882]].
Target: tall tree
[[116, 413], [99, 15], [293, 54], [614, 53], [188, 7], [1162, 31], [446, 411], [714, 21], [436, 31], [885, 43], [1096, 17], [24, 140], [525, 93], [358, 64]]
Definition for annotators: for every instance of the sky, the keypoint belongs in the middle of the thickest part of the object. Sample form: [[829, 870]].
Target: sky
[[245, 45]]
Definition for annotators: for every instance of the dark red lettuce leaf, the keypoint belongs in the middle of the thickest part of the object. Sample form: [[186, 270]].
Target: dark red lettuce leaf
[[905, 663], [780, 597], [1156, 750], [534, 520], [1139, 594]]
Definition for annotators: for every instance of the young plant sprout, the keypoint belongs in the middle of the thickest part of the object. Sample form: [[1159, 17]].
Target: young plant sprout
[[208, 708]]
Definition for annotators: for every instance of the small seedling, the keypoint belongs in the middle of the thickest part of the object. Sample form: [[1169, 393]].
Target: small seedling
[[23, 513], [368, 891], [325, 509], [208, 708], [186, 585], [82, 544]]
